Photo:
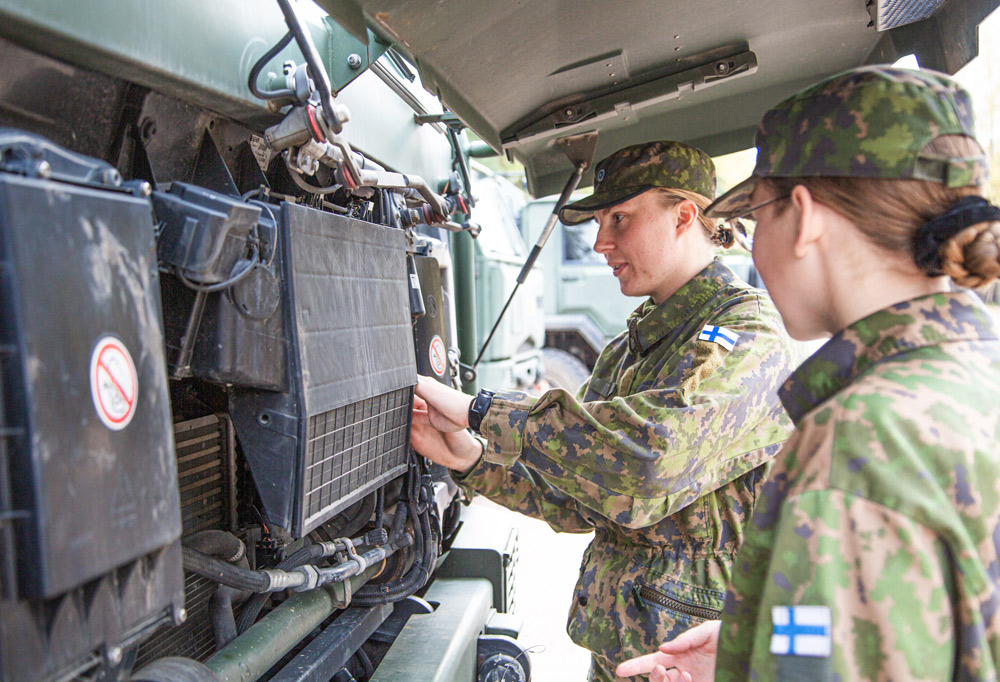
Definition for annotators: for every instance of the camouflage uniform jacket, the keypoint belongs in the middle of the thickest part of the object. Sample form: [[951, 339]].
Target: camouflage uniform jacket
[[661, 457], [882, 510]]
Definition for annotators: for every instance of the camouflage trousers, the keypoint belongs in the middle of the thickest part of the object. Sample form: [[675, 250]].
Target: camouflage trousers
[[602, 671]]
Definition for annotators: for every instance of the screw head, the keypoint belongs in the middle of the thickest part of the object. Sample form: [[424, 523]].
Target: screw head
[[721, 67], [354, 60], [114, 655], [180, 615], [145, 189], [569, 113], [43, 169], [111, 177]]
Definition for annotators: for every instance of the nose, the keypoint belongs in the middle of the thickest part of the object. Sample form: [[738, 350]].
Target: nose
[[604, 242]]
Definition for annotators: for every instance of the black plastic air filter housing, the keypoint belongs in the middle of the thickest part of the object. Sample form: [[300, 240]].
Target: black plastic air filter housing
[[89, 513], [342, 427]]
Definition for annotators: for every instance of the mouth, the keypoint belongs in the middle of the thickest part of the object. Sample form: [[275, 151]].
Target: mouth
[[616, 268]]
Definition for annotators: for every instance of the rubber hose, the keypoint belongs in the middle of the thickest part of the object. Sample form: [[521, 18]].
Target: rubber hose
[[217, 543], [248, 616], [225, 573]]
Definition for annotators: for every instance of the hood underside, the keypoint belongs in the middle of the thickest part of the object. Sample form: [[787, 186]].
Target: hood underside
[[524, 73]]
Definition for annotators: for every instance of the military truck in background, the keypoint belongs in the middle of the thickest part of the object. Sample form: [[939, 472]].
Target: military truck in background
[[231, 235]]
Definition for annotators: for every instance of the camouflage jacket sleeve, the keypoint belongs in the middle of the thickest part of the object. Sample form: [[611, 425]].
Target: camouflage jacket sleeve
[[522, 490], [667, 438], [876, 577]]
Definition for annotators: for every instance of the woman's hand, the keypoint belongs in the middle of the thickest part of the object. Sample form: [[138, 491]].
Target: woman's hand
[[447, 409], [458, 451], [690, 656]]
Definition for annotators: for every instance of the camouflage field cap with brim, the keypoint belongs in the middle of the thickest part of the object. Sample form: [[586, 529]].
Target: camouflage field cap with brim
[[871, 122], [633, 170]]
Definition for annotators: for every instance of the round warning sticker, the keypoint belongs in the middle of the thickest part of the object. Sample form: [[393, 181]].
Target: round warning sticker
[[114, 383], [437, 356]]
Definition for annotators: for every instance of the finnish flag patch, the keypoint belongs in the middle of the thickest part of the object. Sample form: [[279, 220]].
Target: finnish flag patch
[[801, 631], [726, 338]]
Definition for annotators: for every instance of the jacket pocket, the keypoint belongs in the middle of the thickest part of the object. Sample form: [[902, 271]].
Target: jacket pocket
[[656, 608], [683, 600]]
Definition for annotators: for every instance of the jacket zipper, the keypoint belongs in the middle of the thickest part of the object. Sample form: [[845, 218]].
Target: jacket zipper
[[643, 593]]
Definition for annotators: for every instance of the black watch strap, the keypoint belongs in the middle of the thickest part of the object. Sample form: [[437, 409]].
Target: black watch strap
[[477, 409]]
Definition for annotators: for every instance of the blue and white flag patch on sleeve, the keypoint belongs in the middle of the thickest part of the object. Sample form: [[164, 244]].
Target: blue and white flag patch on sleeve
[[801, 631], [726, 338]]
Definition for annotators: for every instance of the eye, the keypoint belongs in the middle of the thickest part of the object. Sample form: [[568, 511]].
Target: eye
[[618, 217]]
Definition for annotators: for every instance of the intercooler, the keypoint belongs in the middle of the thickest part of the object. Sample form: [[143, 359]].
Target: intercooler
[[206, 471]]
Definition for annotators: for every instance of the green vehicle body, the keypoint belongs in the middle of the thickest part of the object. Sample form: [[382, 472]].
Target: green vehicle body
[[138, 116]]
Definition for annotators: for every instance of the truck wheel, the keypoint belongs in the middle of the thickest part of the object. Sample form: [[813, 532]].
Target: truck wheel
[[563, 370]]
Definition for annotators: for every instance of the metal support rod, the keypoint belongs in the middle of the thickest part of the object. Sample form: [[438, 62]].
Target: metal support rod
[[464, 264], [254, 652], [570, 187]]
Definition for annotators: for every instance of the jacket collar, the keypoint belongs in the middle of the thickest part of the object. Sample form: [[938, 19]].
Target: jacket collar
[[919, 322], [649, 323]]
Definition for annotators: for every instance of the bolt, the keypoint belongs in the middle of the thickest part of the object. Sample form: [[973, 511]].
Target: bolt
[[43, 169], [180, 615], [721, 67], [569, 113], [114, 655], [354, 60], [111, 177], [147, 129], [145, 189]]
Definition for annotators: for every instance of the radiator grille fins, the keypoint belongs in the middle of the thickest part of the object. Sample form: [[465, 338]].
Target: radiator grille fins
[[351, 447], [205, 469]]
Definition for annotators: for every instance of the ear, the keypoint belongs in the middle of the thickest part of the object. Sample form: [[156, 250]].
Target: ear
[[687, 215], [811, 226]]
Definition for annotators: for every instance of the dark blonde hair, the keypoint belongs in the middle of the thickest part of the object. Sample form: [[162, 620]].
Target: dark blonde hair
[[669, 197], [888, 213]]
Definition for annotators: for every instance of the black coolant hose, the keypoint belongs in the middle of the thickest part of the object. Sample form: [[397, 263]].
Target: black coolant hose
[[302, 556], [426, 554], [225, 573]]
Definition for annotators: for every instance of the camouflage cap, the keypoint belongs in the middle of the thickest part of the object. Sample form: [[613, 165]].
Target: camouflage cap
[[631, 171], [871, 122]]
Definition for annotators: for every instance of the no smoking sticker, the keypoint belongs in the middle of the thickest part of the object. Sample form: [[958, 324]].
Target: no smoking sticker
[[437, 356], [114, 383]]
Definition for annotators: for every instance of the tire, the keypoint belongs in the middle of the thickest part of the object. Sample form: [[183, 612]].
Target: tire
[[563, 370]]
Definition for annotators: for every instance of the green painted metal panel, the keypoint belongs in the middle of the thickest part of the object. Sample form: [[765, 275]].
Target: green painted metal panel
[[441, 646], [197, 51]]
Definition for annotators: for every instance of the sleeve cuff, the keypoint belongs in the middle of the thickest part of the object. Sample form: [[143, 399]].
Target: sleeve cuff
[[503, 426]]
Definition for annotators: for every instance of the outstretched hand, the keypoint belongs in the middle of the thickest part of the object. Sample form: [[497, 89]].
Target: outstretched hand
[[447, 409], [457, 450], [690, 656]]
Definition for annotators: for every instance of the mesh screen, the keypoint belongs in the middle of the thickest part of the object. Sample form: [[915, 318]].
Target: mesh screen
[[352, 447]]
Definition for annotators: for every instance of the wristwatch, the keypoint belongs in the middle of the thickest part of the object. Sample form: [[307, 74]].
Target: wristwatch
[[478, 407]]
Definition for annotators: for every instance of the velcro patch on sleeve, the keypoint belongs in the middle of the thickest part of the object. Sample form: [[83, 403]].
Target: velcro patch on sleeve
[[801, 631], [726, 338]]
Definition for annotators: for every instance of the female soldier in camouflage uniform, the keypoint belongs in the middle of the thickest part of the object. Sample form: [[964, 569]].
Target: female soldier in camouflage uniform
[[873, 552], [663, 451]]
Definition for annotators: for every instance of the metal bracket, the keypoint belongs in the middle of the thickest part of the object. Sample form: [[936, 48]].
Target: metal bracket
[[627, 103], [447, 118]]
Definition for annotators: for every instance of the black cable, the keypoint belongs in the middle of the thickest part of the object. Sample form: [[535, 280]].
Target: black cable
[[221, 286], [305, 186], [259, 66], [379, 508], [366, 663], [316, 68]]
